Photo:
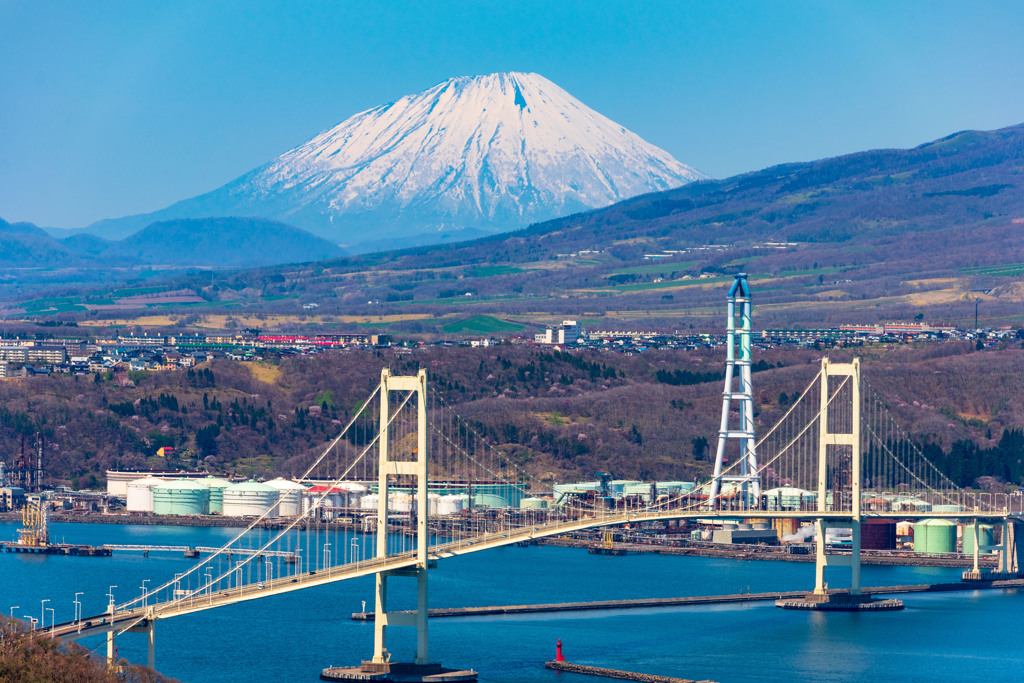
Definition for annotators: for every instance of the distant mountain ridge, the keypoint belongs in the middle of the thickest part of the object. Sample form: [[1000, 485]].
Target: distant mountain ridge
[[223, 242], [241, 242], [483, 154]]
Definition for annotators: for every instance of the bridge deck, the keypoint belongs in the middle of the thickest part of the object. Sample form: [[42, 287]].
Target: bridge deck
[[197, 602]]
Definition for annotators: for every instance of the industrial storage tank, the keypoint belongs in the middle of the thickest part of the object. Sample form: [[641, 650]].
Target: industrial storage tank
[[533, 504], [328, 497], [400, 502], [217, 486], [451, 504], [250, 499], [986, 536], [353, 494], [140, 494], [785, 526], [369, 502], [878, 534], [489, 496], [934, 536], [181, 497], [290, 496]]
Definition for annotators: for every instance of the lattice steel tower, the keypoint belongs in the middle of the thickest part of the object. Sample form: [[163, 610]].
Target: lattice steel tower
[[737, 367]]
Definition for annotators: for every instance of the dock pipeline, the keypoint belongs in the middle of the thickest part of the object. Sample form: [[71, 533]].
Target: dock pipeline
[[697, 600], [615, 673], [57, 549]]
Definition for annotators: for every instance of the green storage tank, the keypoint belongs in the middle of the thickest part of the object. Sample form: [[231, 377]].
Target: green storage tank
[[217, 486], [986, 536], [181, 497], [496, 495], [533, 504], [934, 536]]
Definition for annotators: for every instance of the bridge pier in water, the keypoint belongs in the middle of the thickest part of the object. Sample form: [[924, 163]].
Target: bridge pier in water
[[839, 441], [829, 442], [1006, 551], [380, 667]]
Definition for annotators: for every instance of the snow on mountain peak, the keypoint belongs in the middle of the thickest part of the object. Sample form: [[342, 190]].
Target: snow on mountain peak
[[491, 152]]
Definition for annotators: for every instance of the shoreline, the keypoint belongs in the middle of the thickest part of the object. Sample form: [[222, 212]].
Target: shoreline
[[736, 552]]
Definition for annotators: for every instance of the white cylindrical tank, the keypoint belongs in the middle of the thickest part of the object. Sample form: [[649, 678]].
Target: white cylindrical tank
[[291, 496], [369, 501], [451, 504], [250, 499], [432, 504], [140, 494], [400, 502], [353, 494]]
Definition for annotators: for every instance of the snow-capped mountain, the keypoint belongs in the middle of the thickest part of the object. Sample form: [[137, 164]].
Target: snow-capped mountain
[[482, 153]]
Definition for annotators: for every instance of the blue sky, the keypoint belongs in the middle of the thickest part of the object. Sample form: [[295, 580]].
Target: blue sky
[[113, 108]]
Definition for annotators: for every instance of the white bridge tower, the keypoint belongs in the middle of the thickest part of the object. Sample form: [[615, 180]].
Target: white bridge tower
[[737, 368]]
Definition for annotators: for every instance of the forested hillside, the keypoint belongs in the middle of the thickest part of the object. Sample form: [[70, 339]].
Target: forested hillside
[[561, 414], [27, 657]]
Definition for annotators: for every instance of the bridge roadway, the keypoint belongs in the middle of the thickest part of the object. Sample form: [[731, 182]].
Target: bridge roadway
[[133, 619]]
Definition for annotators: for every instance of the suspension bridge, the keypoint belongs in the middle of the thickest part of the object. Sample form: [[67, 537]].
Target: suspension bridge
[[837, 441]]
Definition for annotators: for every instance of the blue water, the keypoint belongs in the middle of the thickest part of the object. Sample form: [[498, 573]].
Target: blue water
[[970, 635]]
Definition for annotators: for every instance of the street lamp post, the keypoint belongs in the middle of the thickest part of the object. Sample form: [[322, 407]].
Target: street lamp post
[[42, 612], [14, 607], [110, 594], [78, 611], [327, 555], [355, 551], [52, 620], [144, 596]]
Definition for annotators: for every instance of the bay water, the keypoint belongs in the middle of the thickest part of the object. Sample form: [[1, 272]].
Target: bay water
[[970, 635]]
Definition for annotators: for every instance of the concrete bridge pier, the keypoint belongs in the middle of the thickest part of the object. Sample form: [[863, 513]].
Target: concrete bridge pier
[[148, 626], [110, 636], [1006, 551], [151, 643], [822, 560]]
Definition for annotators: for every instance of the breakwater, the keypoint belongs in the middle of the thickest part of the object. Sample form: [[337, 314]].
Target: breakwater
[[771, 553], [697, 600], [616, 673]]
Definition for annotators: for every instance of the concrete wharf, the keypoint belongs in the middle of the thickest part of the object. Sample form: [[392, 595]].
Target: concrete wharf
[[698, 600]]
